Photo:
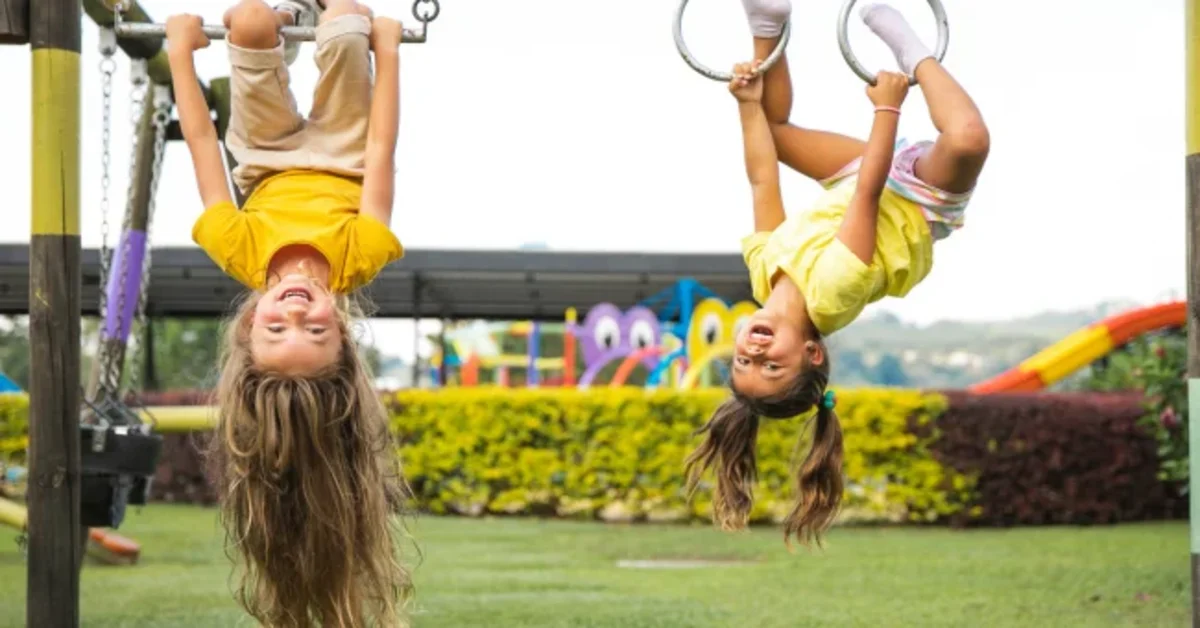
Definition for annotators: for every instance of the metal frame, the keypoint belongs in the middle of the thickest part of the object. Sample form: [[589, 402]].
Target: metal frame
[[143, 30], [424, 11], [513, 285]]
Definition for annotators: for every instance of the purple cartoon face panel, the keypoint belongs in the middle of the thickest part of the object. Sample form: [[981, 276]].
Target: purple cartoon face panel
[[600, 333], [641, 330], [608, 333]]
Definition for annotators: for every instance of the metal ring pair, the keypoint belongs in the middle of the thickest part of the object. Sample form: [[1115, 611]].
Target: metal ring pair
[[939, 13]]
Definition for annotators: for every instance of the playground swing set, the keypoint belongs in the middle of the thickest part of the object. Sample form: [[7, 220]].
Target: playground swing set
[[87, 466]]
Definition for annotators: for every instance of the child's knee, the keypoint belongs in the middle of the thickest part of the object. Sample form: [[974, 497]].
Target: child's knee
[[253, 24], [337, 8], [969, 137]]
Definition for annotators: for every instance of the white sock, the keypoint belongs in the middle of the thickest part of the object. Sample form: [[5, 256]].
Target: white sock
[[894, 30], [767, 17]]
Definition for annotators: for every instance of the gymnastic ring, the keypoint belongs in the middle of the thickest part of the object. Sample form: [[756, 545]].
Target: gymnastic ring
[[724, 77], [943, 40]]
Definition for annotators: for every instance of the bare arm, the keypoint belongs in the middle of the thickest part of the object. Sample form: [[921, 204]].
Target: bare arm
[[858, 228], [379, 177], [762, 166], [198, 129]]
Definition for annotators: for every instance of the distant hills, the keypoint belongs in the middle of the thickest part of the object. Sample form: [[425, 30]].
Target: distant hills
[[881, 349]]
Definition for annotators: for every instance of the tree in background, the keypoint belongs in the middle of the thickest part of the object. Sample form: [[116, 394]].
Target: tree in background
[[185, 353], [1157, 367]]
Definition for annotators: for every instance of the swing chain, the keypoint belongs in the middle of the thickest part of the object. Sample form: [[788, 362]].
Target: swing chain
[[110, 384], [162, 117], [108, 65], [432, 9]]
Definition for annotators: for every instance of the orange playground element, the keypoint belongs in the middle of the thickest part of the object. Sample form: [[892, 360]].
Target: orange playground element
[[103, 545], [1084, 347]]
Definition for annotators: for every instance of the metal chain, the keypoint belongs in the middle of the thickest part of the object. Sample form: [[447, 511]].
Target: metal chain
[[162, 116], [433, 9], [108, 65], [111, 369]]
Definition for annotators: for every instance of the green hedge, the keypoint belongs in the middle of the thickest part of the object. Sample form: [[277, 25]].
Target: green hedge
[[14, 428], [617, 454]]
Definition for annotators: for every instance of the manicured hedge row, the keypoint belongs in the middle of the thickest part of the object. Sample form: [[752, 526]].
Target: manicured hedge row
[[616, 454], [1054, 458]]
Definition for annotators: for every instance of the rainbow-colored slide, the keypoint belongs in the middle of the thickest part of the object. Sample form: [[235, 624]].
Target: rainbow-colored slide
[[102, 545], [1084, 347]]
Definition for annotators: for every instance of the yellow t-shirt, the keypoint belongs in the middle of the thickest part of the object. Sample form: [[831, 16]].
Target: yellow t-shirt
[[835, 283], [298, 207]]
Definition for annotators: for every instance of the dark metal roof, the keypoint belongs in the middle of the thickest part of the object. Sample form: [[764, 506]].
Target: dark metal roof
[[459, 284]]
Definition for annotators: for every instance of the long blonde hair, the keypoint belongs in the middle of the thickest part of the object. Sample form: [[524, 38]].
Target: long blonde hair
[[310, 489]]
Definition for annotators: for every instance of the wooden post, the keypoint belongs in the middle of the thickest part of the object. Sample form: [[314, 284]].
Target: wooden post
[[128, 260], [1192, 50], [14, 21], [55, 545]]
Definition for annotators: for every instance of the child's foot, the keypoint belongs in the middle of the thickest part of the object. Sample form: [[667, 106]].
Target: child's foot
[[767, 17], [303, 13], [895, 31]]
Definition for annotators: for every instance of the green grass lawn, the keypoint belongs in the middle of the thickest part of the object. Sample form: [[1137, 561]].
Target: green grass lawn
[[527, 573]]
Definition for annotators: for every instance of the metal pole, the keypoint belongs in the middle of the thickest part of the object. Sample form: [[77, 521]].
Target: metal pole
[[1192, 64], [534, 341], [142, 30], [443, 370], [569, 348], [416, 319], [55, 545]]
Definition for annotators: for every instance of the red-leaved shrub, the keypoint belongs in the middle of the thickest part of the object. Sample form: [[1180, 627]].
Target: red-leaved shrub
[[1054, 459]]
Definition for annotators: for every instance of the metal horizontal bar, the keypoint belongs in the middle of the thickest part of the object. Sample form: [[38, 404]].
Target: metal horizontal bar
[[143, 30]]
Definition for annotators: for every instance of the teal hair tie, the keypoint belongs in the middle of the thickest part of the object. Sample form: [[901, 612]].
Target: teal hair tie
[[829, 400]]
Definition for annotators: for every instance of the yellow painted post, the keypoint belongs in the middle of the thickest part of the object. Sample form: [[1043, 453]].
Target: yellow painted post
[[55, 543], [1192, 64]]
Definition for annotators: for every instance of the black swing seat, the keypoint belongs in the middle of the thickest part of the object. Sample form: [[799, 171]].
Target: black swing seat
[[119, 455]]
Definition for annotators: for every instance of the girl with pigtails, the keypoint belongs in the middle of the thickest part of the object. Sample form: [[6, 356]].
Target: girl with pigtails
[[869, 235]]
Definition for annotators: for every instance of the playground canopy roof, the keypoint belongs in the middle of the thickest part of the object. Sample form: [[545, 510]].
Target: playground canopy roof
[[455, 284]]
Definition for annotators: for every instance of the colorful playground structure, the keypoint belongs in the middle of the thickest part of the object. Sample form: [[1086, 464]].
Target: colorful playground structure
[[676, 336], [682, 335], [1084, 347]]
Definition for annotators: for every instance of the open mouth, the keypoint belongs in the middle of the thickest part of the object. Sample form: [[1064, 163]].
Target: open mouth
[[296, 295], [761, 333]]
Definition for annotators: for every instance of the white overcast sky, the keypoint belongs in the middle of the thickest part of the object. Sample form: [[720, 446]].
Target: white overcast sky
[[576, 124]]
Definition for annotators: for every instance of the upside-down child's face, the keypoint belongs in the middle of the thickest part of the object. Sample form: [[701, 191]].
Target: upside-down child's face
[[295, 328], [768, 355]]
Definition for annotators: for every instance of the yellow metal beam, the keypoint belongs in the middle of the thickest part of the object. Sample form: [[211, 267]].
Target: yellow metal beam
[[181, 419]]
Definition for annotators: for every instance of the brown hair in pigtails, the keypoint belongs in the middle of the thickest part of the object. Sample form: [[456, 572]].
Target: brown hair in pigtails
[[730, 436], [728, 448], [819, 482]]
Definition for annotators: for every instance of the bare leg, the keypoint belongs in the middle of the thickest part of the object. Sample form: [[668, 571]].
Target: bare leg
[[958, 155], [815, 154], [264, 123]]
